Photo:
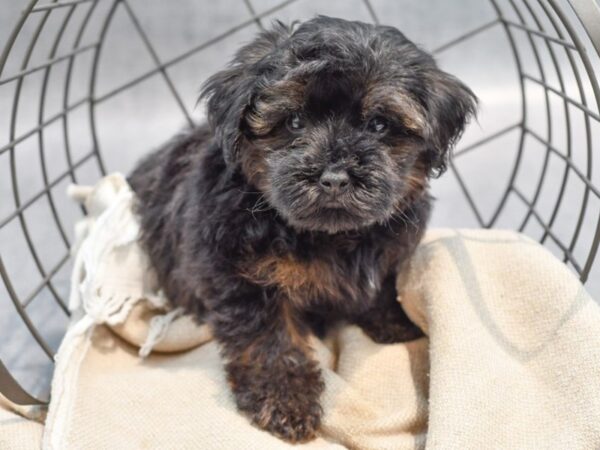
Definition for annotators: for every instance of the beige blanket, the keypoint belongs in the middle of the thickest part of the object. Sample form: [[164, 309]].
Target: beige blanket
[[512, 358], [16, 431]]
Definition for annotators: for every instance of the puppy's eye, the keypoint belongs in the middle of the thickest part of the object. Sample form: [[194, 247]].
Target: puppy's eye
[[295, 122], [377, 125]]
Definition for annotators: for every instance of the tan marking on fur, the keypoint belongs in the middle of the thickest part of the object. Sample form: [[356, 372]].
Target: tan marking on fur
[[273, 104], [254, 165], [301, 281], [391, 100], [417, 182], [249, 354], [258, 123], [297, 337], [263, 418]]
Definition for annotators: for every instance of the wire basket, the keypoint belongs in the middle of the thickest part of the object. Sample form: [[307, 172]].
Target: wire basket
[[88, 86]]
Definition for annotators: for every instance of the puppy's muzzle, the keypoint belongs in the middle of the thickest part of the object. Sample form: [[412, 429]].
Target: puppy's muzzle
[[334, 181]]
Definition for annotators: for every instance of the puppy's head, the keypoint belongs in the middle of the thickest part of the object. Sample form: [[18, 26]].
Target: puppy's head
[[339, 124]]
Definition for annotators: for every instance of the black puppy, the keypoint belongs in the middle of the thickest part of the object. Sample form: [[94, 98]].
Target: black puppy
[[300, 201]]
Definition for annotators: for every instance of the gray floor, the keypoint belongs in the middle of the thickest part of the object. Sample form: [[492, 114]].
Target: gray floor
[[131, 122]]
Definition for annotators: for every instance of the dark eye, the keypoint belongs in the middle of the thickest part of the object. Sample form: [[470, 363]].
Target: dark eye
[[378, 125], [295, 122]]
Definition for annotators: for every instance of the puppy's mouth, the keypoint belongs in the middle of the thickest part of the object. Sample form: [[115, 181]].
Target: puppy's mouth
[[330, 214], [333, 203], [329, 219], [305, 204]]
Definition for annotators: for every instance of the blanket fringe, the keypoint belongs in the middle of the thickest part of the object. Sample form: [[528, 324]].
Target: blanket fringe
[[103, 232], [110, 227], [159, 326]]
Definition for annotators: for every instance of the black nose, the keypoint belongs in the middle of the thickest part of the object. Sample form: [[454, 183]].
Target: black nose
[[334, 181]]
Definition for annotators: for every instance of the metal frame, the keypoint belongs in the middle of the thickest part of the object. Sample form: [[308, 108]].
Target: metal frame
[[547, 25]]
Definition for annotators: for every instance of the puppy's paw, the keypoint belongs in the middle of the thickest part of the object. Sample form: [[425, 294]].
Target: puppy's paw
[[388, 324], [291, 419], [282, 398], [393, 332]]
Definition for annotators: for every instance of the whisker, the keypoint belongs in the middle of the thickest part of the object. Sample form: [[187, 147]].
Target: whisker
[[259, 205]]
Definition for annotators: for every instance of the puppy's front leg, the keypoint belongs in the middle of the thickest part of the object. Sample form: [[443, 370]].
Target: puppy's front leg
[[386, 322], [268, 364]]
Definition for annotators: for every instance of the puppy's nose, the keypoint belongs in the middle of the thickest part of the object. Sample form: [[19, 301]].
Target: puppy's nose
[[334, 181]]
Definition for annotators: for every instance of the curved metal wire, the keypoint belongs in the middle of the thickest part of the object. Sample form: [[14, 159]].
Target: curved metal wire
[[593, 15], [67, 88], [586, 119], [519, 155], [565, 178], [41, 108], [92, 85], [549, 136], [13, 168], [531, 204]]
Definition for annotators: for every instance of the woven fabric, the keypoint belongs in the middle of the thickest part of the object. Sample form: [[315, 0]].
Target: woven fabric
[[512, 358], [16, 431]]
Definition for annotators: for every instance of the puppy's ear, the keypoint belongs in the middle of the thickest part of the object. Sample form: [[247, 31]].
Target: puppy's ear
[[229, 93], [450, 104]]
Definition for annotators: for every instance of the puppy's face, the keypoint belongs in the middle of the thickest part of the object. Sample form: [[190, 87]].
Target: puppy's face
[[339, 124]]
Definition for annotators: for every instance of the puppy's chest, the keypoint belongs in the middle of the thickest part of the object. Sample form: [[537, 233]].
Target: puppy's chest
[[328, 279]]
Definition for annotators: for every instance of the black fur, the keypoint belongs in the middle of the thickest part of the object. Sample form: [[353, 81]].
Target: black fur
[[247, 232]]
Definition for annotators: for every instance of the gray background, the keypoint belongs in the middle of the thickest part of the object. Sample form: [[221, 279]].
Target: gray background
[[138, 119]]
